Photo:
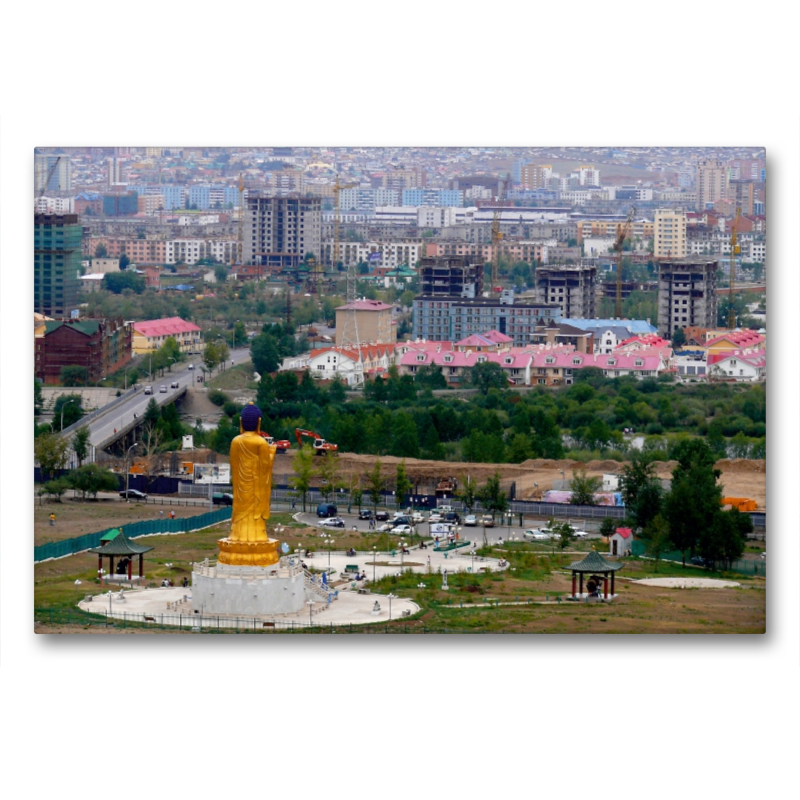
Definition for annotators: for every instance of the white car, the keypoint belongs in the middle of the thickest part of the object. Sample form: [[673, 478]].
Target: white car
[[403, 530], [332, 522], [537, 533], [579, 534], [435, 517], [387, 526], [416, 518], [191, 366], [470, 520]]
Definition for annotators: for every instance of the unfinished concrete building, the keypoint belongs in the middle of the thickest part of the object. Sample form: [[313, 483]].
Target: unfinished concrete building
[[574, 288], [687, 294], [450, 276]]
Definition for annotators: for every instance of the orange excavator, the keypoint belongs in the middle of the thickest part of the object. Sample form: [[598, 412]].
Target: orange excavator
[[320, 445], [282, 444]]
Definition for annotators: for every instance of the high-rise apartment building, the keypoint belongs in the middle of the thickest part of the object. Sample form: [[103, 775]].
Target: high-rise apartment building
[[742, 195], [687, 294], [116, 170], [712, 183], [451, 276], [574, 288], [536, 176], [279, 231], [669, 233], [57, 242], [60, 180]]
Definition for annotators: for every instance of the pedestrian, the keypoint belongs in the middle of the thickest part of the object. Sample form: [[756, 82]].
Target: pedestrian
[[172, 515], [294, 505], [161, 514], [52, 519]]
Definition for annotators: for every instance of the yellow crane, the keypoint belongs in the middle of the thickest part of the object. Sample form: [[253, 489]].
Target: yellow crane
[[732, 276], [622, 233], [240, 244], [497, 235]]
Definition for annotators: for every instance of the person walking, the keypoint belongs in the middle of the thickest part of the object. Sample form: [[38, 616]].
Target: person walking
[[52, 519]]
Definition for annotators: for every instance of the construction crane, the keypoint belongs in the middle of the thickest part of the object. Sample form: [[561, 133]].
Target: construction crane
[[497, 235], [622, 233], [732, 277], [320, 445], [237, 257], [46, 183]]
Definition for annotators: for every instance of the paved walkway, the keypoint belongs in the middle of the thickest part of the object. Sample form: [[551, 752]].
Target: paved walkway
[[688, 583]]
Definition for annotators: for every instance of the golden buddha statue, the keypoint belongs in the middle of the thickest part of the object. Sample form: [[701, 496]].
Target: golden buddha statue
[[252, 457]]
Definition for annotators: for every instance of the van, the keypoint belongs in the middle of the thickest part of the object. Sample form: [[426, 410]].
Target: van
[[326, 510], [148, 390], [191, 366]]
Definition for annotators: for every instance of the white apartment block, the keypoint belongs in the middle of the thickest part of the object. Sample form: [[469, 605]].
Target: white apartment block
[[391, 254], [55, 205], [669, 233], [190, 251], [588, 176], [431, 217]]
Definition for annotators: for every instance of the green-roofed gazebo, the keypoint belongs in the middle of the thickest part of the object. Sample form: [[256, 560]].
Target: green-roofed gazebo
[[115, 543], [595, 565]]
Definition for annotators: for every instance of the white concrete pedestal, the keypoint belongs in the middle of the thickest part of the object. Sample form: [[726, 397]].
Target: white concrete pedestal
[[250, 591]]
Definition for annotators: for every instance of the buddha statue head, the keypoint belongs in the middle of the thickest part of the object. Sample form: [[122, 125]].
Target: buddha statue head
[[250, 419]]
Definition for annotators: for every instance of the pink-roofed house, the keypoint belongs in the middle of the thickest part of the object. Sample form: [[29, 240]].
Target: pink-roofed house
[[740, 365], [619, 543], [491, 342], [151, 334], [558, 368], [456, 365]]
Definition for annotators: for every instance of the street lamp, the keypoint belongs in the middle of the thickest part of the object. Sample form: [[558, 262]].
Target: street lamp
[[391, 597], [310, 604], [71, 400], [127, 474], [402, 552], [374, 556], [331, 543], [100, 573]]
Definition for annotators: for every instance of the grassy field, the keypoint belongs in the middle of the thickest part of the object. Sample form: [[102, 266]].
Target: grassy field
[[234, 378], [473, 603]]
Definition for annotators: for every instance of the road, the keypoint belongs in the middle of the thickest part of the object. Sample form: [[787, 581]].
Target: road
[[102, 428]]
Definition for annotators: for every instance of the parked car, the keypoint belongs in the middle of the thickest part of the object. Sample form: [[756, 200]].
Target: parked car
[[222, 499], [387, 526], [148, 390], [163, 387], [365, 513], [191, 366], [382, 516], [452, 516], [470, 521], [699, 561], [173, 385], [536, 533], [435, 517], [487, 521], [327, 510], [416, 518], [403, 530], [133, 494], [578, 533], [332, 522], [402, 520]]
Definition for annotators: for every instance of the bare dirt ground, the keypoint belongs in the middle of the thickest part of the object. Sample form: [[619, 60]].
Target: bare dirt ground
[[740, 477]]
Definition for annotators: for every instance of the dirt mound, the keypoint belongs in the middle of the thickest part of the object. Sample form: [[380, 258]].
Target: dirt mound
[[739, 465]]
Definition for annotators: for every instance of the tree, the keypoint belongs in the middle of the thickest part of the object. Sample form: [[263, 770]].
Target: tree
[[584, 488], [405, 440], [327, 469], [402, 485], [487, 375], [375, 483], [73, 376], [50, 451], [608, 527], [656, 538], [118, 282], [91, 479], [304, 468], [220, 273], [80, 444], [56, 488], [101, 251], [563, 534], [467, 492], [641, 490], [124, 261], [430, 376], [70, 404], [492, 498], [38, 399], [678, 338], [693, 503]]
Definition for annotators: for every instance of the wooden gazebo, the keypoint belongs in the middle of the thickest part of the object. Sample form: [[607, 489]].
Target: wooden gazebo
[[594, 565], [117, 545]]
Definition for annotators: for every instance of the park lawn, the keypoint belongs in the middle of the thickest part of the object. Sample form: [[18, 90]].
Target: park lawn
[[234, 378], [76, 517]]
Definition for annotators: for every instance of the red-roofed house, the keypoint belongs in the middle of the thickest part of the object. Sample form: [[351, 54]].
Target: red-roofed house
[[742, 365], [554, 369], [456, 364], [491, 342], [151, 335], [619, 543], [735, 340], [328, 363]]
